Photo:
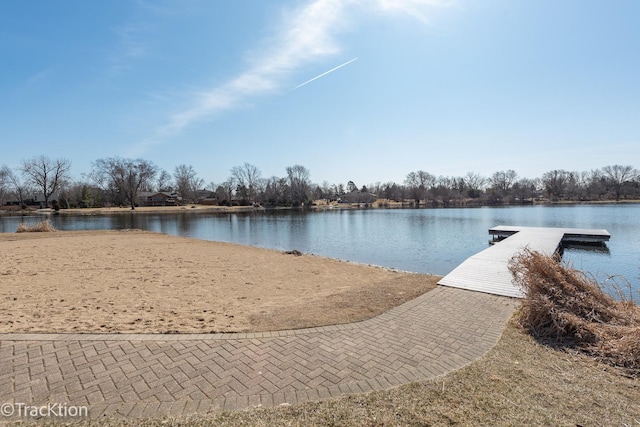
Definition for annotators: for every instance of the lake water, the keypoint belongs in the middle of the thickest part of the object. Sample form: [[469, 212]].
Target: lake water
[[419, 240]]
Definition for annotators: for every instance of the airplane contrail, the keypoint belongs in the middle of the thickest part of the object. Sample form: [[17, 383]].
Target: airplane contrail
[[325, 73]]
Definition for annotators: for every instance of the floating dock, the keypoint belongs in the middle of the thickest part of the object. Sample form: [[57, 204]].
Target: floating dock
[[487, 271]]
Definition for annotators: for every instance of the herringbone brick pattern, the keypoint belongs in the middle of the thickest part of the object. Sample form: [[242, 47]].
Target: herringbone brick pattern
[[151, 375]]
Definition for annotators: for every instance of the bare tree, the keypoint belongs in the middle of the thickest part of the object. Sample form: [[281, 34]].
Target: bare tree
[[503, 180], [393, 191], [525, 188], [107, 193], [325, 188], [187, 182], [299, 183], [276, 192], [444, 189], [376, 187], [594, 184], [163, 182], [247, 176], [224, 192], [4, 184], [617, 176], [45, 174], [555, 182], [211, 186], [475, 184], [572, 188], [419, 183], [126, 175]]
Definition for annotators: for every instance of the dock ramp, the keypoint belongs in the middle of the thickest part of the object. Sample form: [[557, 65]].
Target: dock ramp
[[487, 271]]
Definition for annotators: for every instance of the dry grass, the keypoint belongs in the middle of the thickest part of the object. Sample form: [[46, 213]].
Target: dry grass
[[346, 306], [519, 382], [42, 226], [564, 305]]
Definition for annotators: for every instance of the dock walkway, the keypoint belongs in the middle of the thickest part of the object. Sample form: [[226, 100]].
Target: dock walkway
[[487, 271]]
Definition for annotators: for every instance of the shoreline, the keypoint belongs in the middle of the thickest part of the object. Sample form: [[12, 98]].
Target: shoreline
[[195, 208]]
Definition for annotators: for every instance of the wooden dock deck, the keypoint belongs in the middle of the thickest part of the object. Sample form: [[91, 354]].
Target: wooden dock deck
[[487, 271]]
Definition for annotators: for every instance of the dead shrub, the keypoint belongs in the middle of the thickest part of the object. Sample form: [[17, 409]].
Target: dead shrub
[[42, 226], [563, 304]]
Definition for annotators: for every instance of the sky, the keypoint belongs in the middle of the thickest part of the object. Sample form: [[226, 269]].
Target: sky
[[354, 90]]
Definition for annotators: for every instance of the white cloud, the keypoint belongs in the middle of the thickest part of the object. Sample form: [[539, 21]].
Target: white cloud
[[308, 34], [419, 9]]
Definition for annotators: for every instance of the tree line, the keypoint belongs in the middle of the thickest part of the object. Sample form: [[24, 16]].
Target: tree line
[[116, 181]]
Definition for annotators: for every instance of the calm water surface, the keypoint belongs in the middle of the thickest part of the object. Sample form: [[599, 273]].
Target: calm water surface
[[420, 240]]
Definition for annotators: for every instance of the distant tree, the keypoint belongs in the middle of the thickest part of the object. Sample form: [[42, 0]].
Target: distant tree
[[413, 184], [503, 180], [459, 186], [221, 194], [393, 191], [325, 191], [126, 175], [525, 188], [212, 186], [224, 192], [445, 189], [317, 192], [298, 177], [69, 195], [105, 192], [283, 190], [242, 192], [555, 182], [594, 184], [163, 182], [45, 174], [418, 183], [187, 182], [86, 197], [4, 184], [376, 187], [572, 187], [617, 176], [275, 192], [248, 177], [474, 184]]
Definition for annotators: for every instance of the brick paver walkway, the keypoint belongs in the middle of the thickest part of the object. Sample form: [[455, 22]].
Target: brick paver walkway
[[152, 375]]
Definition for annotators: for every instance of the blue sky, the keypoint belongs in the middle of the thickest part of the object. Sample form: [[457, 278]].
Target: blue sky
[[446, 86]]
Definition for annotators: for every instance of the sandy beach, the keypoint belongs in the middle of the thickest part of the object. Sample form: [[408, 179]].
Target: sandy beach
[[137, 281]]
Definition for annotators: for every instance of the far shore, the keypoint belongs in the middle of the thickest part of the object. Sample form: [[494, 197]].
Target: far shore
[[141, 209], [197, 208]]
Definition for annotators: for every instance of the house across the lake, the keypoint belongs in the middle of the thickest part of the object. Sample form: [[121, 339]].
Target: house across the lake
[[205, 197], [159, 198], [34, 200], [357, 196]]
